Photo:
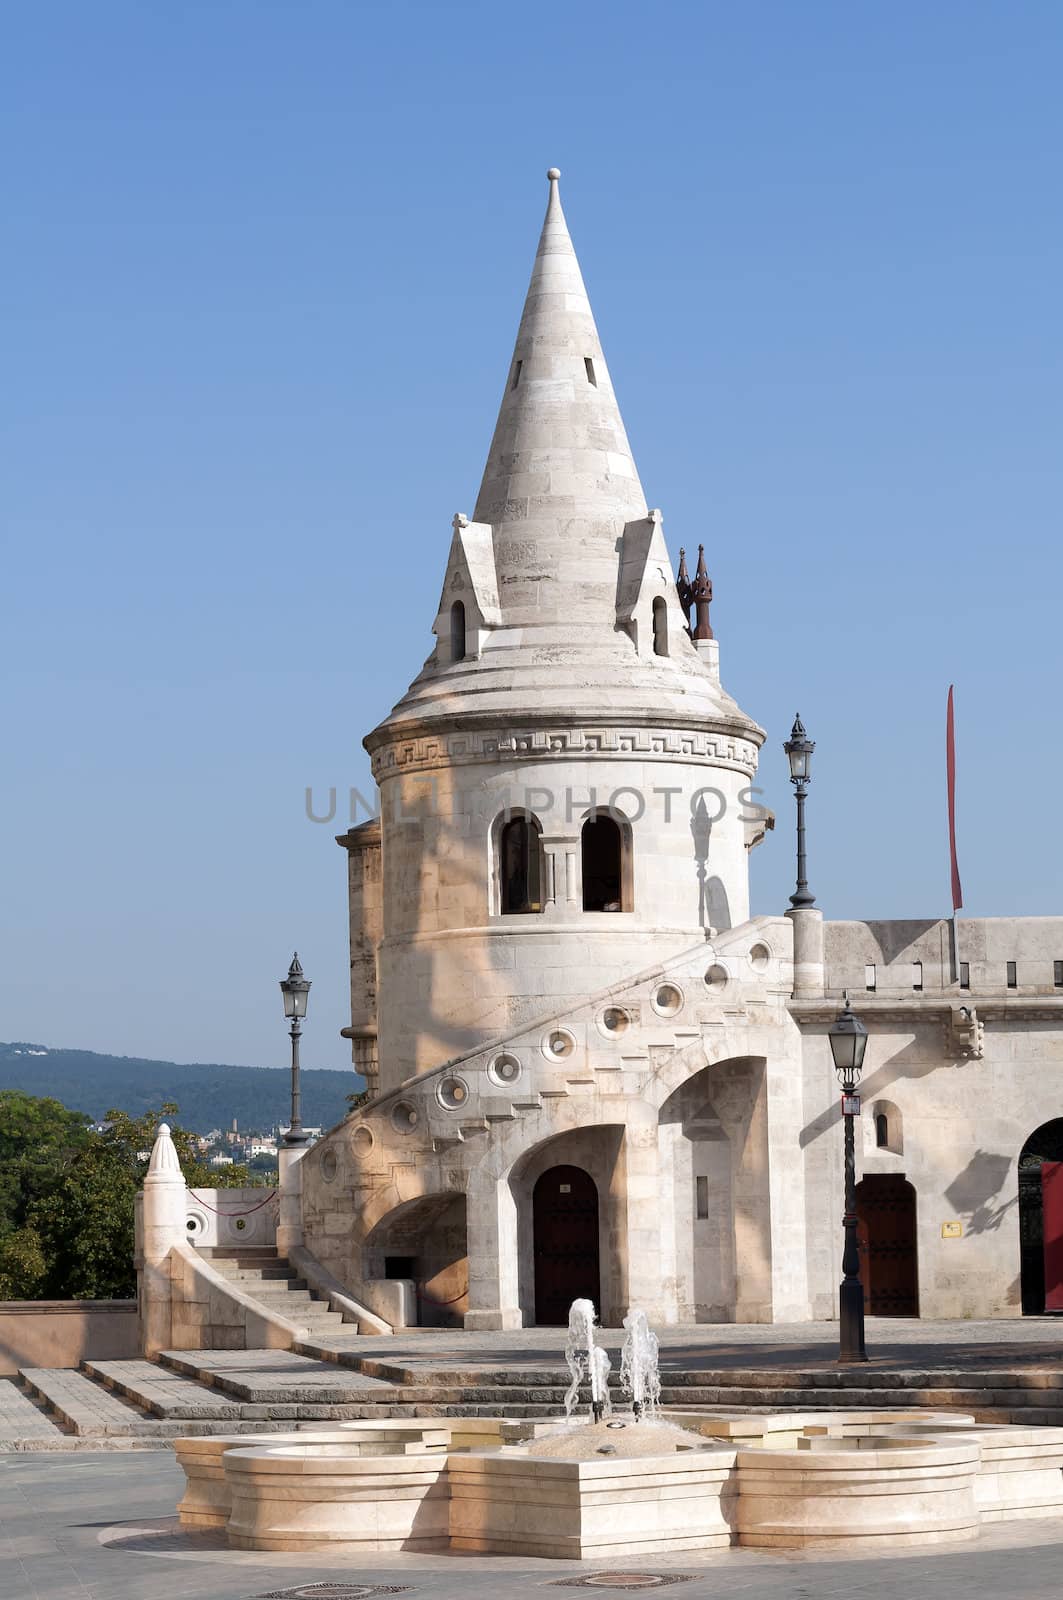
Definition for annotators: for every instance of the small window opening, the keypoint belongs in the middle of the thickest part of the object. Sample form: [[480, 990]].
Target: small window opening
[[702, 1197], [917, 976], [457, 631], [1013, 976], [602, 852], [660, 627], [870, 976], [400, 1266], [1057, 974], [589, 364], [882, 1131], [965, 974], [516, 374], [520, 873]]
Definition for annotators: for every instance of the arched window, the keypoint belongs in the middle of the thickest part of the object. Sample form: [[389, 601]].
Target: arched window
[[603, 863], [457, 631], [660, 627], [520, 866], [882, 1131]]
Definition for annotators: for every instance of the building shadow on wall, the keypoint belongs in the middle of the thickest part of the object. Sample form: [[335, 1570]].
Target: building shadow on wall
[[714, 910], [970, 1193]]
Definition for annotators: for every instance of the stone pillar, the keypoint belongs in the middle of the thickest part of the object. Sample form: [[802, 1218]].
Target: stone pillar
[[808, 951], [290, 1196], [651, 1287], [165, 1210], [493, 1254]]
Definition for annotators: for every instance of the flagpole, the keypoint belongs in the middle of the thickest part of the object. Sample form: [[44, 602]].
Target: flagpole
[[950, 778]]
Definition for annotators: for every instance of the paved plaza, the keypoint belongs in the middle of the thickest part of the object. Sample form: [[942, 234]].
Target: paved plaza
[[891, 1342], [101, 1527]]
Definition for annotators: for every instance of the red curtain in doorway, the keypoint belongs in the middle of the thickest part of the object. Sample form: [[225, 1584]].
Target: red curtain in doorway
[[1052, 1196]]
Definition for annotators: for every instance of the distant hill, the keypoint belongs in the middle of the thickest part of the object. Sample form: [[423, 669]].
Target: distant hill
[[208, 1096]]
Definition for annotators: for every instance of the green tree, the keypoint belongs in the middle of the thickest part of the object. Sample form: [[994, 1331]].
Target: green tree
[[67, 1196]]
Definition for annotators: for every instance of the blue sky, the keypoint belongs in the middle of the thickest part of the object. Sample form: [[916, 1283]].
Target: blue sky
[[263, 266]]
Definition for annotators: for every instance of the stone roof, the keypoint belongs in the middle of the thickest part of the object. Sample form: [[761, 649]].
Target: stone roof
[[558, 625]]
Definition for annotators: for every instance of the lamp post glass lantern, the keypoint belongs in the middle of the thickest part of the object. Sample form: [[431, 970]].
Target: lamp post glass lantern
[[848, 1042], [296, 989], [799, 748]]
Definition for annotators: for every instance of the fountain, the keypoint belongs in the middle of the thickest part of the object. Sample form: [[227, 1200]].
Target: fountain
[[581, 1487], [640, 1365], [586, 1361]]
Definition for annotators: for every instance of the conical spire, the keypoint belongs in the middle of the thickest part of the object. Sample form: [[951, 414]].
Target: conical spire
[[560, 481]]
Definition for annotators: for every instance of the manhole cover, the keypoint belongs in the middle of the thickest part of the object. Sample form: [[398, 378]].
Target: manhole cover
[[334, 1591], [624, 1580]]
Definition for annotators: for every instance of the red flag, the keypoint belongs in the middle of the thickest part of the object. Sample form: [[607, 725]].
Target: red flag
[[950, 769]]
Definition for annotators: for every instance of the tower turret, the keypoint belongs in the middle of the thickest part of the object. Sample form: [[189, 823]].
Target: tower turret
[[561, 786]]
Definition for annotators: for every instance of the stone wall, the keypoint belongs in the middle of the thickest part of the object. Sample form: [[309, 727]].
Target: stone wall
[[63, 1333]]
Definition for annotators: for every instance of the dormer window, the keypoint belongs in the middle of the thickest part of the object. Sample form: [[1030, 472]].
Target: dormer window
[[589, 364], [660, 627], [457, 631]]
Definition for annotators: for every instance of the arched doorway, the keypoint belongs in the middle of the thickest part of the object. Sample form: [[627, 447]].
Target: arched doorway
[[885, 1213], [1041, 1219], [565, 1228]]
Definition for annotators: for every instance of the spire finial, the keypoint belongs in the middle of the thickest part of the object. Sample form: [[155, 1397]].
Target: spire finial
[[553, 173], [701, 594]]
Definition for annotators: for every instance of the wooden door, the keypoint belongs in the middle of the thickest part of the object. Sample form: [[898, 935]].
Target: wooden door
[[1052, 1208], [565, 1224], [885, 1209]]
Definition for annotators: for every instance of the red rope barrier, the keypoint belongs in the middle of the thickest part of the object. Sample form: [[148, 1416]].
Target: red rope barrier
[[272, 1195]]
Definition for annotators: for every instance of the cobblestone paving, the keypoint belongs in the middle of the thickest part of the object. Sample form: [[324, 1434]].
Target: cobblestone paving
[[101, 1527]]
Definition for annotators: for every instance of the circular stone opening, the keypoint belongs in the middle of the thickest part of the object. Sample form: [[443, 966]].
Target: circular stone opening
[[668, 1000], [559, 1044], [614, 1021], [504, 1070], [361, 1141], [760, 958], [716, 976], [452, 1093], [404, 1117]]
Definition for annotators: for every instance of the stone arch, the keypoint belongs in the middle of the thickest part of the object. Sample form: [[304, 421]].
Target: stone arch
[[606, 861], [517, 865], [1040, 1221], [425, 1239], [598, 1151], [458, 631], [887, 1127], [660, 626], [713, 1151]]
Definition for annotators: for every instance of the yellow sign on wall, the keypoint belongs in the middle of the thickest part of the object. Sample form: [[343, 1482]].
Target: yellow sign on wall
[[952, 1230]]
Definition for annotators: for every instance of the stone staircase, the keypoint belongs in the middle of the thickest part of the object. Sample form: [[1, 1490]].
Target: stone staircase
[[145, 1404], [258, 1271]]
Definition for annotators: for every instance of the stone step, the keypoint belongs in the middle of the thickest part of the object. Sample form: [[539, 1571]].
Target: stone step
[[161, 1393], [278, 1275], [90, 1410], [244, 1252]]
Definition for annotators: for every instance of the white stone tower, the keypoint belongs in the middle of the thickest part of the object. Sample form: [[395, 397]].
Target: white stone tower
[[561, 785]]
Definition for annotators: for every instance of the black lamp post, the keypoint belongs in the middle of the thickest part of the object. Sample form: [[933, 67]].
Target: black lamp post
[[799, 748], [295, 989], [848, 1041]]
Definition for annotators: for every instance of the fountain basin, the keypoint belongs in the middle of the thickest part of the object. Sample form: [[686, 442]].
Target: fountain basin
[[207, 1500], [859, 1493], [1021, 1469], [780, 1430], [508, 1502], [312, 1496]]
